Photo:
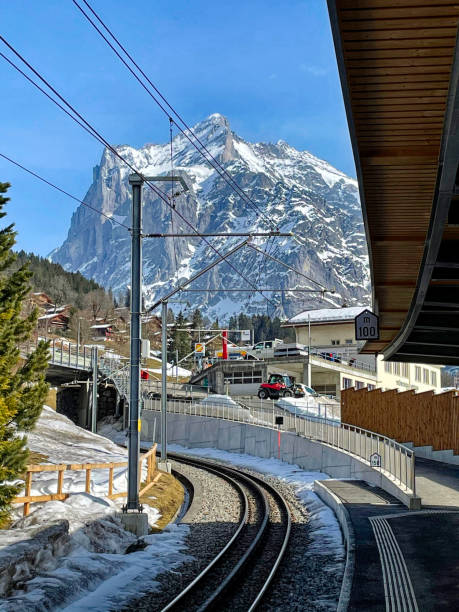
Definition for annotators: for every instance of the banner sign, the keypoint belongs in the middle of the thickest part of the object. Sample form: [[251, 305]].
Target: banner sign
[[200, 349]]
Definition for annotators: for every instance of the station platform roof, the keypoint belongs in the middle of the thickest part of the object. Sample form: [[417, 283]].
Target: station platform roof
[[399, 68]]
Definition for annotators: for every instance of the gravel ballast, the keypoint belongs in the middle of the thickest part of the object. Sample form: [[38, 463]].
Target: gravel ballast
[[213, 519], [309, 577]]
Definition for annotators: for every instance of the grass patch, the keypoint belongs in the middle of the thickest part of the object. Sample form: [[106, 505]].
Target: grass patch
[[167, 496], [51, 398], [36, 458]]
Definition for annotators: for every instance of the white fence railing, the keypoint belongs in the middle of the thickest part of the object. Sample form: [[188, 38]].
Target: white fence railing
[[381, 453]]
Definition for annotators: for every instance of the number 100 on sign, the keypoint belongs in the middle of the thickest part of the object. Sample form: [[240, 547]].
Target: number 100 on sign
[[366, 326]]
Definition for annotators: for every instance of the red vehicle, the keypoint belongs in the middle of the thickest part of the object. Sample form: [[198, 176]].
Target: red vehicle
[[278, 385]]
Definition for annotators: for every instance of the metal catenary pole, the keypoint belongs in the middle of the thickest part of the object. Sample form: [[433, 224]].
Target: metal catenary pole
[[94, 390], [164, 381], [136, 303]]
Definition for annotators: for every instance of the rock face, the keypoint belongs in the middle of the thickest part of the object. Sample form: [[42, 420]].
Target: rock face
[[295, 191]]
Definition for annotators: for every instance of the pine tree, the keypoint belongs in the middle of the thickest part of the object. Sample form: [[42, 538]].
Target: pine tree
[[181, 340], [197, 322], [22, 382]]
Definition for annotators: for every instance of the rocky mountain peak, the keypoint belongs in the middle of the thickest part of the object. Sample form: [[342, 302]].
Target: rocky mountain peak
[[294, 189]]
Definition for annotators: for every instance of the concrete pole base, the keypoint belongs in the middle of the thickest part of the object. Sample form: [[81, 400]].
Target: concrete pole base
[[165, 466], [135, 522]]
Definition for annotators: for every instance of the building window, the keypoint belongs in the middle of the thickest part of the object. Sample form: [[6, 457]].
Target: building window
[[334, 342], [349, 341], [426, 376], [239, 378], [359, 384], [417, 374], [397, 368], [405, 370], [433, 378], [347, 383], [388, 367], [370, 387]]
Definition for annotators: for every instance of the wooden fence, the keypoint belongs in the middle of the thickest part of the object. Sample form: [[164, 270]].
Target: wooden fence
[[425, 419], [27, 498]]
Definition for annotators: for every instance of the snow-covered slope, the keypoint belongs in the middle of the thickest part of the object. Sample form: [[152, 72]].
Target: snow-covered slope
[[295, 190]]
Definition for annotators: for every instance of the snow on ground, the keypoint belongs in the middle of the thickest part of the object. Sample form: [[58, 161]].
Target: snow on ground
[[325, 531], [63, 442], [91, 571], [311, 407], [92, 558], [171, 369]]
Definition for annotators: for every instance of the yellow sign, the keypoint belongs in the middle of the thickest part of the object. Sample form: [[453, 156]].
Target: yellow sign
[[139, 424], [200, 348]]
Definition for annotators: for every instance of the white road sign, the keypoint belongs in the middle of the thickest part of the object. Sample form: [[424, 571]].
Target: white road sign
[[245, 334], [375, 460], [366, 326]]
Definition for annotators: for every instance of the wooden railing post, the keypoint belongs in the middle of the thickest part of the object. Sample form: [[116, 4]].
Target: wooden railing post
[[60, 481], [110, 481], [27, 498], [28, 487], [88, 480]]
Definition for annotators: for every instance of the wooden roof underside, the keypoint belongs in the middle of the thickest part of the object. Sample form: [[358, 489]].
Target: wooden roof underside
[[396, 60]]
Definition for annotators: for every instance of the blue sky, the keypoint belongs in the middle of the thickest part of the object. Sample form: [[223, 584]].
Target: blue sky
[[269, 67]]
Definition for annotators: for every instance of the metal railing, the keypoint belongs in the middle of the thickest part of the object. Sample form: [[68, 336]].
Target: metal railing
[[343, 359], [63, 352], [381, 453]]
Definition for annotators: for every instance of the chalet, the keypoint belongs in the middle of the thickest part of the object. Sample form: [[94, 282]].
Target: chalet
[[53, 321], [102, 331]]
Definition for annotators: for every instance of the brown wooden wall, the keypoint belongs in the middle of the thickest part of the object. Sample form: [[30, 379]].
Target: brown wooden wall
[[422, 418]]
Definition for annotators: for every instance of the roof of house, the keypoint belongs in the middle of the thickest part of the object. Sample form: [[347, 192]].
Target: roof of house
[[55, 317], [325, 315], [105, 326]]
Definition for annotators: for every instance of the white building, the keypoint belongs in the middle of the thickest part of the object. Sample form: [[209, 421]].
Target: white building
[[332, 330]]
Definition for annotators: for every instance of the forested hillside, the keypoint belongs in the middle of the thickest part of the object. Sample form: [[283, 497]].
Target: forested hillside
[[62, 287]]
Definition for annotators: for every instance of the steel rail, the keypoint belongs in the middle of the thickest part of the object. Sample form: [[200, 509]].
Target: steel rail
[[228, 545], [260, 486]]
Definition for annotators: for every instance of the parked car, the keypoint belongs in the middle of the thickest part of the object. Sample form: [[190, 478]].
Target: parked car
[[292, 349], [262, 350], [330, 356], [301, 390]]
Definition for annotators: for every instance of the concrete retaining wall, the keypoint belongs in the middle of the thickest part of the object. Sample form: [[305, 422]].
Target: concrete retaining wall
[[207, 432]]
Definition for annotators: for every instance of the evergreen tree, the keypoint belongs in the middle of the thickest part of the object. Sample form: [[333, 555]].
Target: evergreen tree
[[22, 383], [196, 323], [181, 340]]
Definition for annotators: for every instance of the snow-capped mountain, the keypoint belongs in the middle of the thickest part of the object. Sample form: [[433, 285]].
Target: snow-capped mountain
[[296, 191]]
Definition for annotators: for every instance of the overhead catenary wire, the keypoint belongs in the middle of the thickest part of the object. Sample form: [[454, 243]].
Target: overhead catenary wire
[[172, 196], [90, 129], [40, 178], [211, 158]]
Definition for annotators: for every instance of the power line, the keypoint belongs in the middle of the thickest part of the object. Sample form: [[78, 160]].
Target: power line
[[218, 167], [173, 198], [90, 129], [40, 178]]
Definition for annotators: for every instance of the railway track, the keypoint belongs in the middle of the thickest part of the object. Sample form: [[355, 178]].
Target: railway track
[[238, 577]]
